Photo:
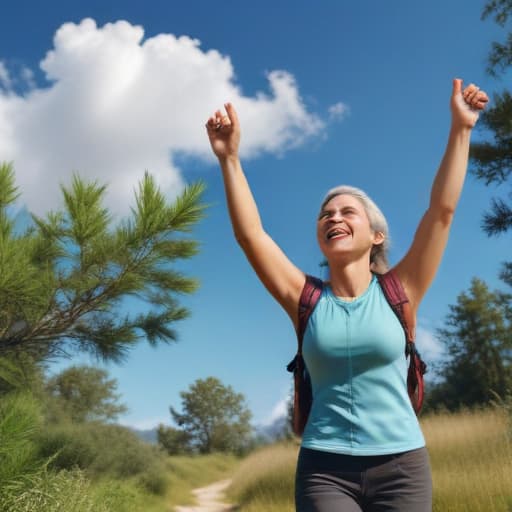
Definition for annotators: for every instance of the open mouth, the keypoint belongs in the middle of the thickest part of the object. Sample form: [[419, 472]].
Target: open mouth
[[336, 233]]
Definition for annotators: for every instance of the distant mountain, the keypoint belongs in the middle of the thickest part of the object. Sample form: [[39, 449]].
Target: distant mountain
[[273, 431], [267, 433], [149, 436]]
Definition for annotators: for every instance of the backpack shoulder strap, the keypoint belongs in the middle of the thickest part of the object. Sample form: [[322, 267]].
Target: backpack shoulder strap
[[308, 299], [395, 295]]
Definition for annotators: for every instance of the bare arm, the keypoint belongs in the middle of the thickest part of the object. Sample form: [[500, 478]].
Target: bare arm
[[279, 275], [419, 266]]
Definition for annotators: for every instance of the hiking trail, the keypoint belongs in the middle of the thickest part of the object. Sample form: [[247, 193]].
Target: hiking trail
[[209, 499]]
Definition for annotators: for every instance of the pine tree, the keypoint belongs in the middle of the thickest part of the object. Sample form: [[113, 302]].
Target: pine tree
[[492, 159], [64, 281], [478, 335]]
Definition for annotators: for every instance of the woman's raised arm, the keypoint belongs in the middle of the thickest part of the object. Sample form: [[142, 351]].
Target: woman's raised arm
[[279, 275], [419, 266]]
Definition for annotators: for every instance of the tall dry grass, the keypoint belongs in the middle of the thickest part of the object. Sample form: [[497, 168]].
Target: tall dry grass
[[471, 457]]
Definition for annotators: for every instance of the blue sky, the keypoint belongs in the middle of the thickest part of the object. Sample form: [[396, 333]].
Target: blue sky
[[329, 92]]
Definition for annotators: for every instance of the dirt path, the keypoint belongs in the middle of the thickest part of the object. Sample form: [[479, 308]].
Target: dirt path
[[209, 499]]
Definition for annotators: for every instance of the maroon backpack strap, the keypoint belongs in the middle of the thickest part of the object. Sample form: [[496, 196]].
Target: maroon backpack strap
[[308, 299], [395, 295]]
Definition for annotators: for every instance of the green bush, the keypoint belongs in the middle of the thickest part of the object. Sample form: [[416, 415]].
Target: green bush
[[154, 481], [104, 450], [40, 465], [26, 484], [67, 448]]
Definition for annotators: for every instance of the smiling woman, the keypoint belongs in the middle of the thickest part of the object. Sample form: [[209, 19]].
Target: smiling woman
[[355, 203], [362, 448]]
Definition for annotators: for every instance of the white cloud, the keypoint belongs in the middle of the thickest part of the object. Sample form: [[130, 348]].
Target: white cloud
[[280, 410], [338, 111], [27, 78], [5, 79], [430, 348], [117, 105]]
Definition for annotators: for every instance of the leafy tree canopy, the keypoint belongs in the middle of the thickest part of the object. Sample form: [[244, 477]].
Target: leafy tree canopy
[[85, 393], [214, 418]]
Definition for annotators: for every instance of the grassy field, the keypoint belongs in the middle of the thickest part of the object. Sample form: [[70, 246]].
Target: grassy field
[[471, 456], [105, 468]]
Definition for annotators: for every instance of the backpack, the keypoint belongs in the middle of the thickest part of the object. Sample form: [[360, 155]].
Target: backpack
[[395, 295]]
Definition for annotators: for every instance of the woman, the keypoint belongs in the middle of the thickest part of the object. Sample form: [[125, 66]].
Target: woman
[[362, 449]]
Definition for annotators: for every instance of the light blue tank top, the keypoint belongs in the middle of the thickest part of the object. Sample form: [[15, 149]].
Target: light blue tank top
[[354, 352]]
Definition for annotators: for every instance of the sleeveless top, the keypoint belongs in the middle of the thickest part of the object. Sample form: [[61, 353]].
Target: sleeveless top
[[355, 354]]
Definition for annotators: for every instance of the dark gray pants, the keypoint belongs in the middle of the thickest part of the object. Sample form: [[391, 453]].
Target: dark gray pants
[[329, 482]]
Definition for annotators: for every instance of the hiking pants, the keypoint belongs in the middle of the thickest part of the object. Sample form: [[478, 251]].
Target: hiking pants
[[330, 482]]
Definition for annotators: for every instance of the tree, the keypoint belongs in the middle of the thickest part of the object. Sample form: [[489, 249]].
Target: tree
[[500, 56], [64, 280], [174, 441], [478, 334], [19, 371], [214, 417], [492, 160], [85, 393]]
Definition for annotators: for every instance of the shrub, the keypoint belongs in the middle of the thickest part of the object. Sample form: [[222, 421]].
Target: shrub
[[26, 484], [104, 450]]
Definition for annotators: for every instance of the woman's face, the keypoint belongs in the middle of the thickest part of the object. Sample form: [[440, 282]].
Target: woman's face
[[343, 229]]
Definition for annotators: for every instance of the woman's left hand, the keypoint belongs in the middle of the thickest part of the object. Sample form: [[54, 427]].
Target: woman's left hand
[[466, 104]]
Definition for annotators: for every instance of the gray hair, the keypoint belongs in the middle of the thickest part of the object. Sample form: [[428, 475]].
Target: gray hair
[[379, 253]]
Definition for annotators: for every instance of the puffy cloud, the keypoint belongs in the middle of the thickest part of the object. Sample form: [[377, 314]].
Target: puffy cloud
[[117, 104], [278, 412], [5, 79], [27, 78]]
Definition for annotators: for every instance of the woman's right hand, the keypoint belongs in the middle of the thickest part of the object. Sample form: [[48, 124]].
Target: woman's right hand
[[224, 133]]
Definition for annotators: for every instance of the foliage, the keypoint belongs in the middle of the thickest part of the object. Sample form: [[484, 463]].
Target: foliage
[[102, 451], [492, 159], [478, 334], [214, 418], [63, 281], [174, 441], [20, 418], [500, 56], [85, 394], [26, 484], [31, 481], [20, 371]]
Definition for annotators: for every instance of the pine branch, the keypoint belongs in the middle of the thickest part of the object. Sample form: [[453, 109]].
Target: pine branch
[[499, 220], [90, 269], [8, 190], [186, 210], [506, 273], [500, 56]]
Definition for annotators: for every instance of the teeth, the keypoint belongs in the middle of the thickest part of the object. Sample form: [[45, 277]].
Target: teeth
[[336, 232]]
